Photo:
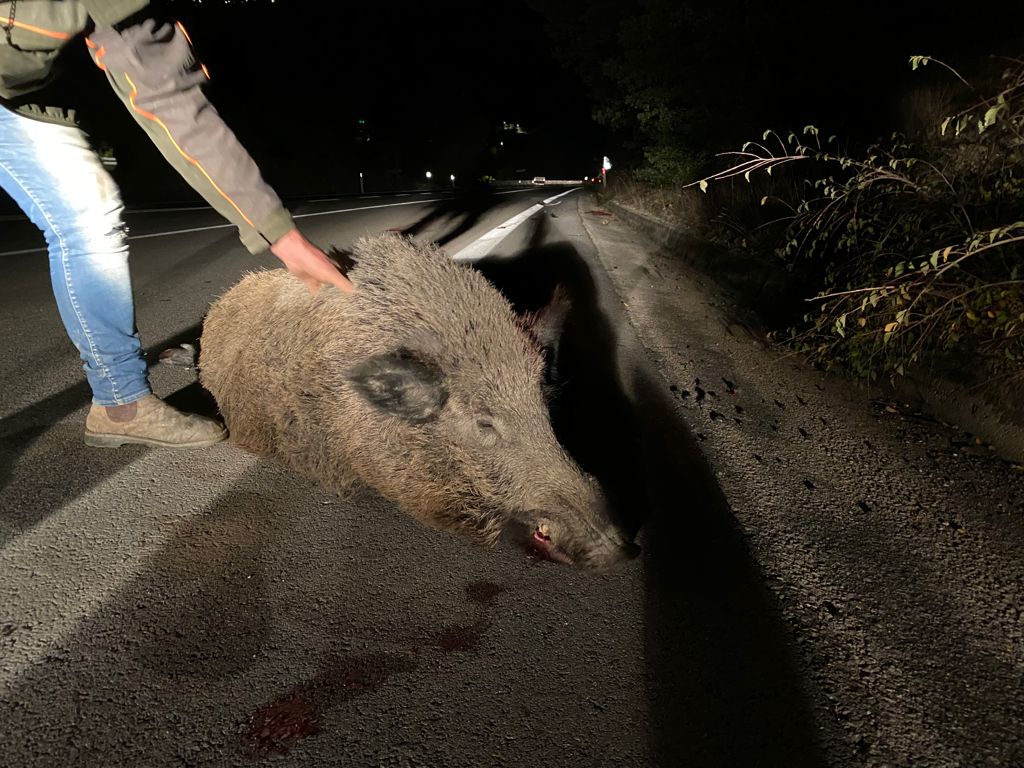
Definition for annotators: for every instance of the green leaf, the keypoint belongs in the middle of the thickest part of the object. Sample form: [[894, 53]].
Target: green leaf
[[704, 185]]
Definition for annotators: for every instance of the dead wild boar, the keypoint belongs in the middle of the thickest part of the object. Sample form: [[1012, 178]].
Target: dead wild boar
[[423, 384]]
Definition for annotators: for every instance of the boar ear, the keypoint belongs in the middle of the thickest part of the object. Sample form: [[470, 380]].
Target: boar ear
[[402, 383], [546, 327], [547, 323]]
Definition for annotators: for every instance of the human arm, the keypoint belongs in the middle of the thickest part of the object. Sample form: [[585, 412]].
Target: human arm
[[150, 64]]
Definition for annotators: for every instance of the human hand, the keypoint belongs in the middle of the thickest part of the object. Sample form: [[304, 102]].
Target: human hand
[[308, 263]]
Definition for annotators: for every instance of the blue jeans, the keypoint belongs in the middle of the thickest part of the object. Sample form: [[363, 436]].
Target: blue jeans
[[61, 185]]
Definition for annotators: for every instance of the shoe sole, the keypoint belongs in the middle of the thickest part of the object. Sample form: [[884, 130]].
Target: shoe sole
[[96, 440]]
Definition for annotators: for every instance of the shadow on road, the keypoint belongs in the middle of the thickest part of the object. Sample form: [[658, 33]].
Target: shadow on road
[[459, 213], [37, 430], [722, 686], [236, 638], [154, 649]]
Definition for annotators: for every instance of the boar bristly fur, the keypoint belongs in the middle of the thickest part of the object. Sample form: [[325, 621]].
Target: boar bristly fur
[[423, 384]]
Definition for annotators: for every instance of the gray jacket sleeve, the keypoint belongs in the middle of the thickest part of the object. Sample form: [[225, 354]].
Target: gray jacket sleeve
[[152, 68]]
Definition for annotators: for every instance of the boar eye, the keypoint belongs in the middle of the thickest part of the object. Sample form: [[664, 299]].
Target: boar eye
[[484, 419], [483, 414], [486, 433]]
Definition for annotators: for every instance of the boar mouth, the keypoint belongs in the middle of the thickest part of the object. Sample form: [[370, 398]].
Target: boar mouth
[[542, 546], [546, 537], [535, 537]]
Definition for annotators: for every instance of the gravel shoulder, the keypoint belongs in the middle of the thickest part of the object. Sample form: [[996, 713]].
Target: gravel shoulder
[[891, 544]]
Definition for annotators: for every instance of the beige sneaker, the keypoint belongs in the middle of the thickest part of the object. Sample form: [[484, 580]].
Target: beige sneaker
[[149, 421]]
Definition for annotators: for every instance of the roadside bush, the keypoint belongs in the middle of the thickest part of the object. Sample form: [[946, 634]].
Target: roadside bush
[[664, 166], [919, 245]]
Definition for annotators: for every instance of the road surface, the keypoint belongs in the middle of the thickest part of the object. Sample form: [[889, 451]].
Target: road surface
[[824, 580]]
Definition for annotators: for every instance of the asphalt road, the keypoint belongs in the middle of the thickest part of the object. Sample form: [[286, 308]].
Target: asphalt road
[[823, 582]]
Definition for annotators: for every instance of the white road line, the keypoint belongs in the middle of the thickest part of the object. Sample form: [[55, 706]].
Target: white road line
[[63, 578], [367, 208], [295, 216], [130, 211], [19, 253], [227, 226], [186, 208], [515, 191], [485, 244], [177, 232], [133, 237]]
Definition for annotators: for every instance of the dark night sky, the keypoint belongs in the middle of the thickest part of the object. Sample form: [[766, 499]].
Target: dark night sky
[[438, 74], [434, 81]]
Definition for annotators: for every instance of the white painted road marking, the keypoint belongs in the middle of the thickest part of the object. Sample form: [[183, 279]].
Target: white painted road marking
[[485, 244], [72, 561], [295, 216]]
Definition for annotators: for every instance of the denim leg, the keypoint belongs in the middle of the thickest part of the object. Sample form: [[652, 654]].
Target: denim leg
[[59, 182]]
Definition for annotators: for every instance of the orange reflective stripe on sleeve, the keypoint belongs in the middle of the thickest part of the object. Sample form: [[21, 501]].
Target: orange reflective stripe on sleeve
[[98, 55], [188, 157], [41, 31], [184, 32], [189, 40]]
